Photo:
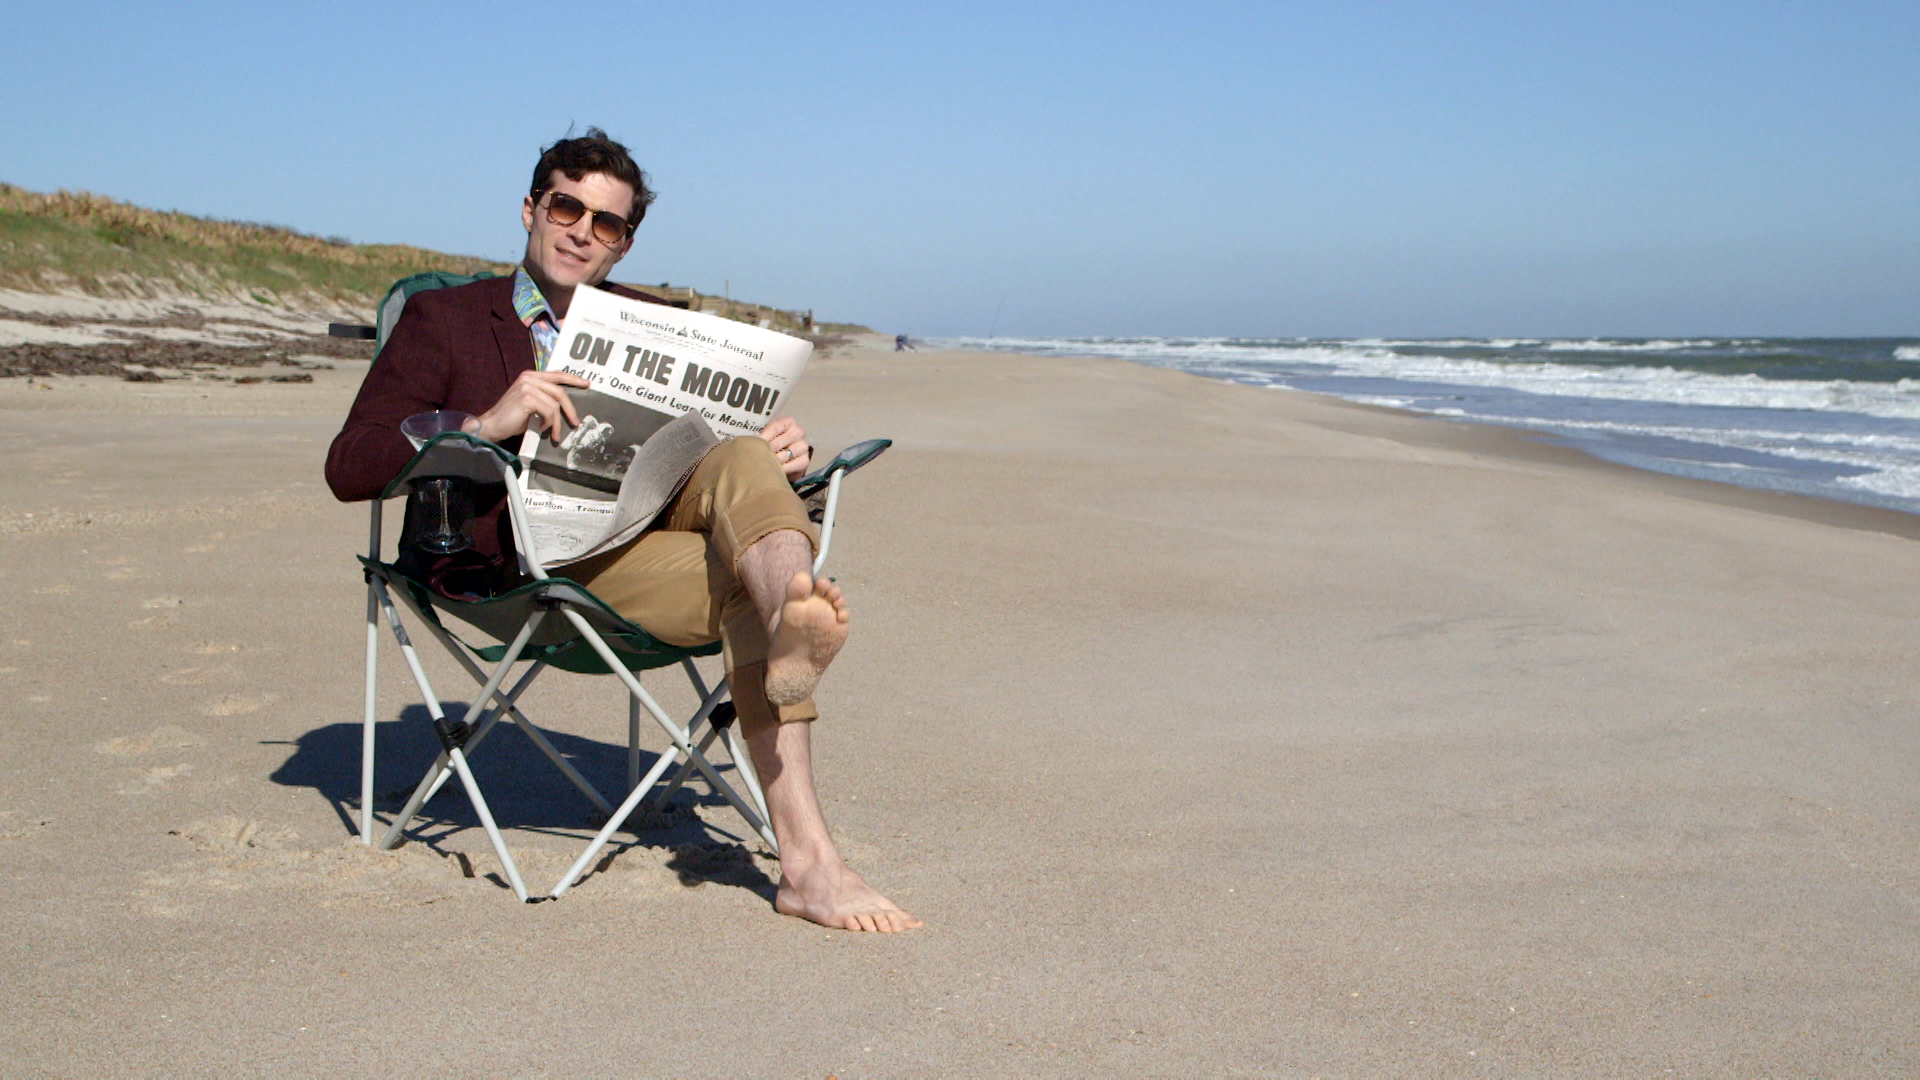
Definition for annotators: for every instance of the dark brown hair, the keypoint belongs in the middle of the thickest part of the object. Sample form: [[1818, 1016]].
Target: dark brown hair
[[578, 157]]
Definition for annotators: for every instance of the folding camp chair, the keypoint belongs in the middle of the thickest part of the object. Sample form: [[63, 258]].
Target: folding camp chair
[[552, 622]]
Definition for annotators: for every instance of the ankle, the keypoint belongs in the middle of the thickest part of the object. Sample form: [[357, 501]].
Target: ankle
[[796, 860]]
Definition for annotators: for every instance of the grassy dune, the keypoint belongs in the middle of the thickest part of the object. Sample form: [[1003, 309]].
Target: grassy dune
[[74, 241]]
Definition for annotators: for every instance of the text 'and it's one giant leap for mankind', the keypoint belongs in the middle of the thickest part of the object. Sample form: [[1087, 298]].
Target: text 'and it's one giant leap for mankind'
[[677, 361]]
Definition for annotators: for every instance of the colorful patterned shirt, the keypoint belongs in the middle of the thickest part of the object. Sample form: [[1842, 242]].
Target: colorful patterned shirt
[[536, 315]]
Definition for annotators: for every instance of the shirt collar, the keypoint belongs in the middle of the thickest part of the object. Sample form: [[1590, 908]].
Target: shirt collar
[[528, 301]]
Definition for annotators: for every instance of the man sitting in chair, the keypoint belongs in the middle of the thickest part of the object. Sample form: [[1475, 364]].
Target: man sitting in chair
[[729, 558]]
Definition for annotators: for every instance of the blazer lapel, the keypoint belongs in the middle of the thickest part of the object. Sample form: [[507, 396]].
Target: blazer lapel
[[512, 337]]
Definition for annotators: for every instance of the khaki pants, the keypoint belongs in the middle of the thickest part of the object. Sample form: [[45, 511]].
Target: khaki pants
[[679, 582]]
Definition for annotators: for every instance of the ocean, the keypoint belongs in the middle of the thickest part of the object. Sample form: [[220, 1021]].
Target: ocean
[[1830, 417]]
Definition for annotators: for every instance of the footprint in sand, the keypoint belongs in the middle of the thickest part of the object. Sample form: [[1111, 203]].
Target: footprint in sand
[[153, 779], [154, 622], [164, 737], [161, 602], [118, 567], [232, 854], [60, 589], [228, 833], [238, 704], [211, 543], [198, 676], [216, 648]]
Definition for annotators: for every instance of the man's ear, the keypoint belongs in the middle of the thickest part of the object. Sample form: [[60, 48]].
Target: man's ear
[[526, 213]]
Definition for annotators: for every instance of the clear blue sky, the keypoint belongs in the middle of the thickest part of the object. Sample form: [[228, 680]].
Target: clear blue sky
[[1249, 169]]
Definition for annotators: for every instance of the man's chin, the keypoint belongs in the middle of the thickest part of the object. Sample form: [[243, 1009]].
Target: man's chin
[[569, 275]]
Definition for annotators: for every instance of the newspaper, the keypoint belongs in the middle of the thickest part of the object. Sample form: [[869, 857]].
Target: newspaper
[[667, 385]]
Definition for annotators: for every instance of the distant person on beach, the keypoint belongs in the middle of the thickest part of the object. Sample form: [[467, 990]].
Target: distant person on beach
[[900, 342], [729, 558]]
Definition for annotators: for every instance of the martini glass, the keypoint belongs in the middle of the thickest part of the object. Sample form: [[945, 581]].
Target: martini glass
[[442, 505], [420, 427]]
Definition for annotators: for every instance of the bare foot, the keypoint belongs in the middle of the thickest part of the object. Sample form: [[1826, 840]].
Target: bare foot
[[810, 629], [832, 895]]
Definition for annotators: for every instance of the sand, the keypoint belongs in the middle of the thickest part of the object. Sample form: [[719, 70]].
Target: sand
[[1213, 730]]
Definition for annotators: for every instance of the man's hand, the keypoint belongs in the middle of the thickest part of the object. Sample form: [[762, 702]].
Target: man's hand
[[789, 446], [534, 400]]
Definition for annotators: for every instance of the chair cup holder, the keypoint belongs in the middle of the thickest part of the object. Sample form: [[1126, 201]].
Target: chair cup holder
[[439, 515]]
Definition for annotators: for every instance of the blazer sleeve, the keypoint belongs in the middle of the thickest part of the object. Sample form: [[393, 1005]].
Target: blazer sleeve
[[411, 375]]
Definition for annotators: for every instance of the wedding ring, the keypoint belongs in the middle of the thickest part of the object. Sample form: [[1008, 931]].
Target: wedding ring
[[789, 455]]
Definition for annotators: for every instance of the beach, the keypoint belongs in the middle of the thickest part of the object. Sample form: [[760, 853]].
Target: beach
[[1212, 729]]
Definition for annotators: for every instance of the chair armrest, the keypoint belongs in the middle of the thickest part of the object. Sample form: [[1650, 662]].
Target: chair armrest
[[455, 453], [853, 457]]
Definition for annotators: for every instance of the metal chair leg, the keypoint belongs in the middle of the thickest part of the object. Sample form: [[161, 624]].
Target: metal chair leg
[[633, 744]]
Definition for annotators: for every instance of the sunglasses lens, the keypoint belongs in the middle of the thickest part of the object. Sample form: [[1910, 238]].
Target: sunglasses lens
[[608, 228], [564, 209]]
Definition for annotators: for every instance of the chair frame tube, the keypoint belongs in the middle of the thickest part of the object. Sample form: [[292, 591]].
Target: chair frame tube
[[373, 688], [454, 756]]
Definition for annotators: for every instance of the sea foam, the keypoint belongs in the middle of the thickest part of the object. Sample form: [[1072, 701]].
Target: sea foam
[[1642, 401]]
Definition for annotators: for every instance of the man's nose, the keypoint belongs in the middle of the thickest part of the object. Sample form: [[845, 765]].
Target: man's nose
[[581, 231]]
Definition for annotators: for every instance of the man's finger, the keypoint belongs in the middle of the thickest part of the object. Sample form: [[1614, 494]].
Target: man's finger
[[547, 404], [567, 378]]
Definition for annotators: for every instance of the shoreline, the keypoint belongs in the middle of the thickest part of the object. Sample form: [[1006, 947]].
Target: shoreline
[[253, 342], [1547, 447], [1767, 423]]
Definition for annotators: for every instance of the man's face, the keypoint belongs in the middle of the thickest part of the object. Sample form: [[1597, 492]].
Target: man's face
[[568, 255]]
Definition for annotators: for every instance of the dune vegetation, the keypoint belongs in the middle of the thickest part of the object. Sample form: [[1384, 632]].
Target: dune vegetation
[[79, 242], [72, 241]]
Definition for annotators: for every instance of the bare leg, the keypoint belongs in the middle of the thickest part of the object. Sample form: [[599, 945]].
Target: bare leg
[[806, 619], [815, 882]]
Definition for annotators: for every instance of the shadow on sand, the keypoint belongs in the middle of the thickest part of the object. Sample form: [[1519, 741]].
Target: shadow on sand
[[524, 791]]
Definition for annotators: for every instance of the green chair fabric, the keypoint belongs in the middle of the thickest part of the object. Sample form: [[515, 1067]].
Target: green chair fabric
[[557, 643], [395, 299]]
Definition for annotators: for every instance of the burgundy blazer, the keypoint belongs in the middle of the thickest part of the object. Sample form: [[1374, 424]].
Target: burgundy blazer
[[454, 348]]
